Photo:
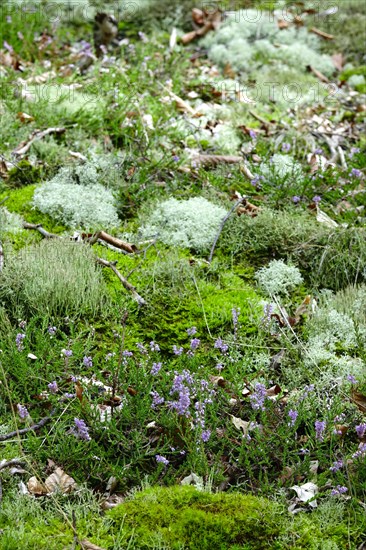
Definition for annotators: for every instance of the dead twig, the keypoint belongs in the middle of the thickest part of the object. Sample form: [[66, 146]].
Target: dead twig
[[38, 227], [13, 462], [24, 146], [126, 284], [114, 241], [240, 201], [34, 428], [87, 545], [2, 260]]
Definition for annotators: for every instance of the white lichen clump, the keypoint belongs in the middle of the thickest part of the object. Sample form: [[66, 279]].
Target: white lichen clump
[[76, 199], [10, 222], [192, 223], [278, 278]]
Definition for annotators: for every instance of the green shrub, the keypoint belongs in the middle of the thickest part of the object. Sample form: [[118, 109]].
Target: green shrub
[[54, 278]]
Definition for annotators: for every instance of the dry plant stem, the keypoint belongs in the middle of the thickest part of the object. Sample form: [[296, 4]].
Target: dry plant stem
[[38, 227], [34, 427], [24, 147], [12, 462], [117, 243], [240, 201], [1, 257], [126, 284]]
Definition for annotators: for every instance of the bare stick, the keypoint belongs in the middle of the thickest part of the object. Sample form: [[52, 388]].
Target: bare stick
[[126, 284], [38, 227], [35, 427], [24, 147], [10, 463], [114, 241], [222, 226]]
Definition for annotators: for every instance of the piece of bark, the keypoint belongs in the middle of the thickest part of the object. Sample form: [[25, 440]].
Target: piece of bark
[[126, 284], [24, 146]]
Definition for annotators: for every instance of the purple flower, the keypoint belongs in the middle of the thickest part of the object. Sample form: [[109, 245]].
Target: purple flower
[[22, 411], [235, 316], [183, 403], [361, 430], [66, 352], [8, 47], [252, 134], [69, 395], [8, 19], [195, 342], [176, 158], [318, 151], [339, 490], [20, 35], [316, 199], [191, 331], [286, 147], [219, 344], [267, 314], [127, 353], [255, 181], [155, 368], [219, 367], [257, 399], [307, 390], [52, 331], [53, 387], [82, 431], [22, 324], [87, 362], [320, 426], [157, 399], [351, 379], [293, 416], [356, 173], [353, 151], [141, 348], [109, 356], [205, 436], [154, 346], [361, 452], [19, 341], [296, 199], [177, 351], [162, 460], [337, 465]]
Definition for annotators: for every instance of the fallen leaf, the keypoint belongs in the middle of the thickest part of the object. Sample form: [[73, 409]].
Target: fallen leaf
[[359, 399], [24, 117], [241, 424], [60, 481], [112, 501], [32, 356], [35, 487], [79, 391], [87, 545], [322, 217], [306, 492], [193, 479]]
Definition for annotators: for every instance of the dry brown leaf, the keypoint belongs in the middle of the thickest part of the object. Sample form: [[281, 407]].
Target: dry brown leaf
[[359, 399], [240, 424], [229, 71], [282, 24], [87, 545], [35, 487], [198, 16], [112, 501], [304, 307], [59, 481], [24, 146], [79, 391], [322, 217], [273, 391], [24, 117], [248, 209], [338, 61]]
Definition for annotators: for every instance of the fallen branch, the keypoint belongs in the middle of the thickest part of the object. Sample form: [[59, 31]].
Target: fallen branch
[[126, 284], [34, 427], [322, 34], [214, 160], [38, 227], [240, 201], [24, 146], [13, 462], [114, 241]]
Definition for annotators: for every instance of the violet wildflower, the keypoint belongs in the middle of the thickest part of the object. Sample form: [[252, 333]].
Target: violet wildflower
[[154, 346], [157, 399], [191, 331], [66, 352], [339, 490], [267, 314], [177, 351], [68, 395], [22, 411], [162, 460], [351, 379], [235, 316], [195, 342], [52, 331], [293, 416], [127, 353], [252, 134], [307, 390], [219, 367], [256, 181], [361, 452], [109, 356], [257, 399], [205, 436], [183, 403], [316, 199], [286, 147], [296, 199], [176, 158], [337, 465], [22, 324], [320, 426], [53, 387], [353, 151], [155, 368], [19, 341], [318, 151], [8, 47], [82, 430], [361, 430], [141, 348], [356, 173], [220, 344], [8, 19], [87, 362]]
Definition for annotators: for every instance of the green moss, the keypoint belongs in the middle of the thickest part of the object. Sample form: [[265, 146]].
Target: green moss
[[184, 517]]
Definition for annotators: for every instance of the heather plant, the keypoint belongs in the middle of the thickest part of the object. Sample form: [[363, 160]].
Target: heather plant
[[55, 278]]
